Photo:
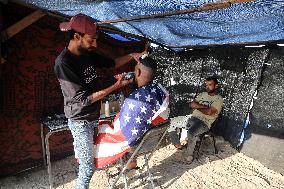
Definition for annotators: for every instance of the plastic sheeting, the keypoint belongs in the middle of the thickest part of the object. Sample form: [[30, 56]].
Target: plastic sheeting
[[246, 22]]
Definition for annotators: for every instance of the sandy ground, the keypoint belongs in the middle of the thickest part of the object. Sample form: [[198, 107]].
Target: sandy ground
[[228, 169]]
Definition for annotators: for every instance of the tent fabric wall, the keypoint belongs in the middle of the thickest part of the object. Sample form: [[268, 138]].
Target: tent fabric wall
[[265, 134], [267, 112], [257, 21], [29, 89]]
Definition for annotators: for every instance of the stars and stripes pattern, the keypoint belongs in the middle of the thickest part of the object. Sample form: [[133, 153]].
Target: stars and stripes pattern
[[144, 108]]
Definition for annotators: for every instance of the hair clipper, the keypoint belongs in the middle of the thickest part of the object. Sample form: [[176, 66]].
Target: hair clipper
[[129, 75]]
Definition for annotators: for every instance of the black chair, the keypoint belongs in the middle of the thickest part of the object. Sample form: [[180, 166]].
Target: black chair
[[210, 133], [199, 143]]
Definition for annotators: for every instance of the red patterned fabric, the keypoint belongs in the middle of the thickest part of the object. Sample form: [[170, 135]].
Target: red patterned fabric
[[29, 90]]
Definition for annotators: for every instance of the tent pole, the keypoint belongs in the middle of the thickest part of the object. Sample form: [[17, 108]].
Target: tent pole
[[205, 7]]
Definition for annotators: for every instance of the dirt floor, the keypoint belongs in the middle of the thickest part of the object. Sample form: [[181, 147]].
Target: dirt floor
[[228, 169]]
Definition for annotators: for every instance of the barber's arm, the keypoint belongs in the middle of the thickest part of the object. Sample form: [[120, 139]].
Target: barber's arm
[[104, 92], [204, 109], [72, 87], [120, 61]]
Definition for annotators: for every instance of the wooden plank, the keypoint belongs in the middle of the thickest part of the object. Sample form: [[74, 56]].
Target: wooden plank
[[22, 24]]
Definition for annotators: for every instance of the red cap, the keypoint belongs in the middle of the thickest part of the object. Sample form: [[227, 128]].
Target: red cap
[[80, 23]]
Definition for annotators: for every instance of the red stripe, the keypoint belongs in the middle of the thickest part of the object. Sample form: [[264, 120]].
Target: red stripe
[[117, 116], [110, 138], [102, 122], [105, 161], [158, 120]]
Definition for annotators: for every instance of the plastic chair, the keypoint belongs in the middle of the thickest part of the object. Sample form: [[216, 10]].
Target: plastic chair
[[147, 146]]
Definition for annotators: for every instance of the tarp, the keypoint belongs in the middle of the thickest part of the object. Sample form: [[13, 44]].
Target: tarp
[[258, 21]]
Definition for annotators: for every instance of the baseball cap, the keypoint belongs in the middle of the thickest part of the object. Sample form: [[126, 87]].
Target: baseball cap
[[80, 23]]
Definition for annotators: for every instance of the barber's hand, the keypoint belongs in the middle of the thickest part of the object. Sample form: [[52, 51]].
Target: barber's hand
[[136, 56], [121, 82], [119, 76], [126, 82]]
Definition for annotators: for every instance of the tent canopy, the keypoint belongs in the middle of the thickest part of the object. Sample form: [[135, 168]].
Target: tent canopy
[[249, 22]]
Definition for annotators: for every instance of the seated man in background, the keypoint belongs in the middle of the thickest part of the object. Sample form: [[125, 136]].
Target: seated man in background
[[207, 106], [144, 108]]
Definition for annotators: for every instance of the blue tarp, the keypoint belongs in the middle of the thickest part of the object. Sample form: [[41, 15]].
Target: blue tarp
[[258, 21]]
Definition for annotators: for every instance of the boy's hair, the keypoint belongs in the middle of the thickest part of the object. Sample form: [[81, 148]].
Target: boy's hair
[[149, 62]]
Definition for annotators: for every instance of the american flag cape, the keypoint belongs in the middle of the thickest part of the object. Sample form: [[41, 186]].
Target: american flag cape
[[144, 108]]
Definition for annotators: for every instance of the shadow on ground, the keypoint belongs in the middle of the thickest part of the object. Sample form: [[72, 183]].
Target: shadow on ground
[[166, 170]]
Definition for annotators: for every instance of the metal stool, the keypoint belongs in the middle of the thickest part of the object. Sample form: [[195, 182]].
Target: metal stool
[[53, 124]]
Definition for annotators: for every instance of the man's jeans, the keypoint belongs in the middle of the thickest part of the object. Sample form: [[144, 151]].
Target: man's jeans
[[83, 133], [195, 128]]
